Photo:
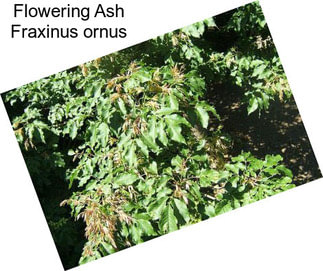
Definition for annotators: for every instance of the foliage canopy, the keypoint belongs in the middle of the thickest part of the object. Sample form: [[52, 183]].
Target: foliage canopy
[[137, 140]]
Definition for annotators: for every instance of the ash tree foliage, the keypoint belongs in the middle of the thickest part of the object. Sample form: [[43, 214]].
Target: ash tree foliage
[[138, 143]]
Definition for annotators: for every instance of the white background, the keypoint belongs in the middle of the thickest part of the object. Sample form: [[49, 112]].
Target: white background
[[284, 232]]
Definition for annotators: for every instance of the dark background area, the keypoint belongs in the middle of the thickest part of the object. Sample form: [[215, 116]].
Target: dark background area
[[278, 131]]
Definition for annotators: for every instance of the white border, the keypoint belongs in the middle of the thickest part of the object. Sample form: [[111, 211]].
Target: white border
[[280, 233]]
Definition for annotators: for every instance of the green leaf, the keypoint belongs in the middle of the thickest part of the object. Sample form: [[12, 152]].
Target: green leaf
[[122, 106], [272, 160], [195, 191], [149, 142], [161, 133], [233, 167], [223, 207], [182, 209], [207, 177], [209, 22], [165, 191], [165, 111], [108, 248], [146, 226], [285, 170], [152, 130], [195, 30], [265, 99], [168, 221], [155, 209], [125, 179], [142, 147], [103, 136], [174, 130], [253, 105], [142, 75], [271, 171], [162, 181], [70, 152], [131, 156], [97, 89], [83, 181], [200, 158], [177, 161], [210, 210], [93, 131], [135, 233], [124, 140], [143, 216], [203, 115], [41, 134], [153, 168], [73, 130], [178, 119], [173, 102], [259, 70]]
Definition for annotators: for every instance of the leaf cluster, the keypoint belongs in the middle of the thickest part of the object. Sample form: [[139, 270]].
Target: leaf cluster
[[131, 132]]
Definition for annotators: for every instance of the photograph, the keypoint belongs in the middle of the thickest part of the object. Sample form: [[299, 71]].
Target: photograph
[[164, 134]]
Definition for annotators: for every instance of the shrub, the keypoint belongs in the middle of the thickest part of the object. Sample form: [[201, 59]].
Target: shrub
[[130, 132]]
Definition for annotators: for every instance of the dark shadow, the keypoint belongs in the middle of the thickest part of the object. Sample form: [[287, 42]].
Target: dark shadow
[[278, 131]]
